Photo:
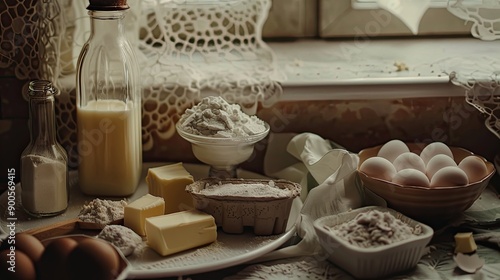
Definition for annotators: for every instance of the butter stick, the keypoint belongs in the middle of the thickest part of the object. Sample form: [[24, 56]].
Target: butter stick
[[464, 243], [136, 212], [180, 231], [169, 182]]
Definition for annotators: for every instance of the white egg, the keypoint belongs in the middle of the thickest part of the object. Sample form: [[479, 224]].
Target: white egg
[[409, 160], [411, 177], [437, 162], [449, 176], [392, 149], [474, 167], [433, 149], [378, 167]]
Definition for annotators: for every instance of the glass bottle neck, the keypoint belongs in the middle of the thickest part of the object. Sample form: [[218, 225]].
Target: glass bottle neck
[[104, 23], [42, 121]]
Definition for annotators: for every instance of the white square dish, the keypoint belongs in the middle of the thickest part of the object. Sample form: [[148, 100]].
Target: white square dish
[[372, 262]]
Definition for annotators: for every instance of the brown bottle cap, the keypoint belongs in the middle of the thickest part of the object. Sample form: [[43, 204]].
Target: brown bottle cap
[[107, 5]]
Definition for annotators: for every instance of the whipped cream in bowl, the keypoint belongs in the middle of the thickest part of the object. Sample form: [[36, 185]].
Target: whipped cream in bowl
[[221, 135]]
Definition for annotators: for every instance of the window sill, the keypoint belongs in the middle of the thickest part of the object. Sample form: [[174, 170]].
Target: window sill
[[357, 69]]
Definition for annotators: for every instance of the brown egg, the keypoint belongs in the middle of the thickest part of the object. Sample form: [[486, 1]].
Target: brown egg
[[96, 254], [53, 263], [29, 245], [19, 267]]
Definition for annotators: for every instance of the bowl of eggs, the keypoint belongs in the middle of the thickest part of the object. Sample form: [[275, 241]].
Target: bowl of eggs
[[428, 182]]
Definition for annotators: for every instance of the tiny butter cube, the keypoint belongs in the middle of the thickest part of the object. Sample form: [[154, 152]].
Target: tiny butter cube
[[176, 232], [135, 213], [464, 243], [170, 182]]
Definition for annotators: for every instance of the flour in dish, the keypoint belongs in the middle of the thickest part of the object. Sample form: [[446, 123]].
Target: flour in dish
[[214, 117]]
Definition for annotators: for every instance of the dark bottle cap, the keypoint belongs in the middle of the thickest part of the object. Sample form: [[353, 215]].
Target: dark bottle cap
[[107, 5]]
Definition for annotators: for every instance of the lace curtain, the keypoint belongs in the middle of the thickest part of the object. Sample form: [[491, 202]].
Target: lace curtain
[[186, 49], [479, 75]]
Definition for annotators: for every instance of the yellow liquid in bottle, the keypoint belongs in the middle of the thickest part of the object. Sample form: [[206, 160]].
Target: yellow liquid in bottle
[[109, 147]]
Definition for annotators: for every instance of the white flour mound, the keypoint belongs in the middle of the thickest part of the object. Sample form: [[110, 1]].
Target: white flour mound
[[246, 190], [102, 211], [214, 117], [374, 228], [125, 239]]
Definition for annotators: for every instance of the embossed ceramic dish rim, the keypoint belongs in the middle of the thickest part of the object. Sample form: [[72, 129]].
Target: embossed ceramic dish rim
[[403, 254], [222, 141], [222, 206], [294, 188], [424, 203]]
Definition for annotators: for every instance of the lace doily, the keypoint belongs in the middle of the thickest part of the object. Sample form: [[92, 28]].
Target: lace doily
[[480, 76], [485, 17], [482, 86], [191, 46], [186, 48]]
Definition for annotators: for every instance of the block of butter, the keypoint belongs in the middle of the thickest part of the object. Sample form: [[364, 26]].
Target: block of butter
[[176, 232], [464, 243], [169, 182], [136, 212]]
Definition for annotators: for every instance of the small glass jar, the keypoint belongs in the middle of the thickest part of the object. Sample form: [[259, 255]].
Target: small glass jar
[[44, 162]]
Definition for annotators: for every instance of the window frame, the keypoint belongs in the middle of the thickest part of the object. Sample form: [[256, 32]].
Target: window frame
[[338, 18], [292, 19]]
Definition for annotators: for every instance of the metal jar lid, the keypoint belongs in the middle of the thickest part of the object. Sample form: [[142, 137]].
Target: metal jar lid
[[107, 5]]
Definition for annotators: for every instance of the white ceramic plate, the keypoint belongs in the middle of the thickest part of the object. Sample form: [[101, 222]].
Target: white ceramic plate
[[229, 249]]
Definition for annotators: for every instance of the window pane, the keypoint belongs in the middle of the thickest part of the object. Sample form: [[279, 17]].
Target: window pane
[[338, 18]]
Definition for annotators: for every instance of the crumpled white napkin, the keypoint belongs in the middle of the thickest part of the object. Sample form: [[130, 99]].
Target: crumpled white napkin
[[333, 169], [328, 177]]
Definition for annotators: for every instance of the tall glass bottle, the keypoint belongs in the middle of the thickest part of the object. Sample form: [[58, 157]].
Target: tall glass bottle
[[108, 105], [44, 162]]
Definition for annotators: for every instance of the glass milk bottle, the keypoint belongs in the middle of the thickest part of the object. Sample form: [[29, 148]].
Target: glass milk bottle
[[44, 169], [108, 105]]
